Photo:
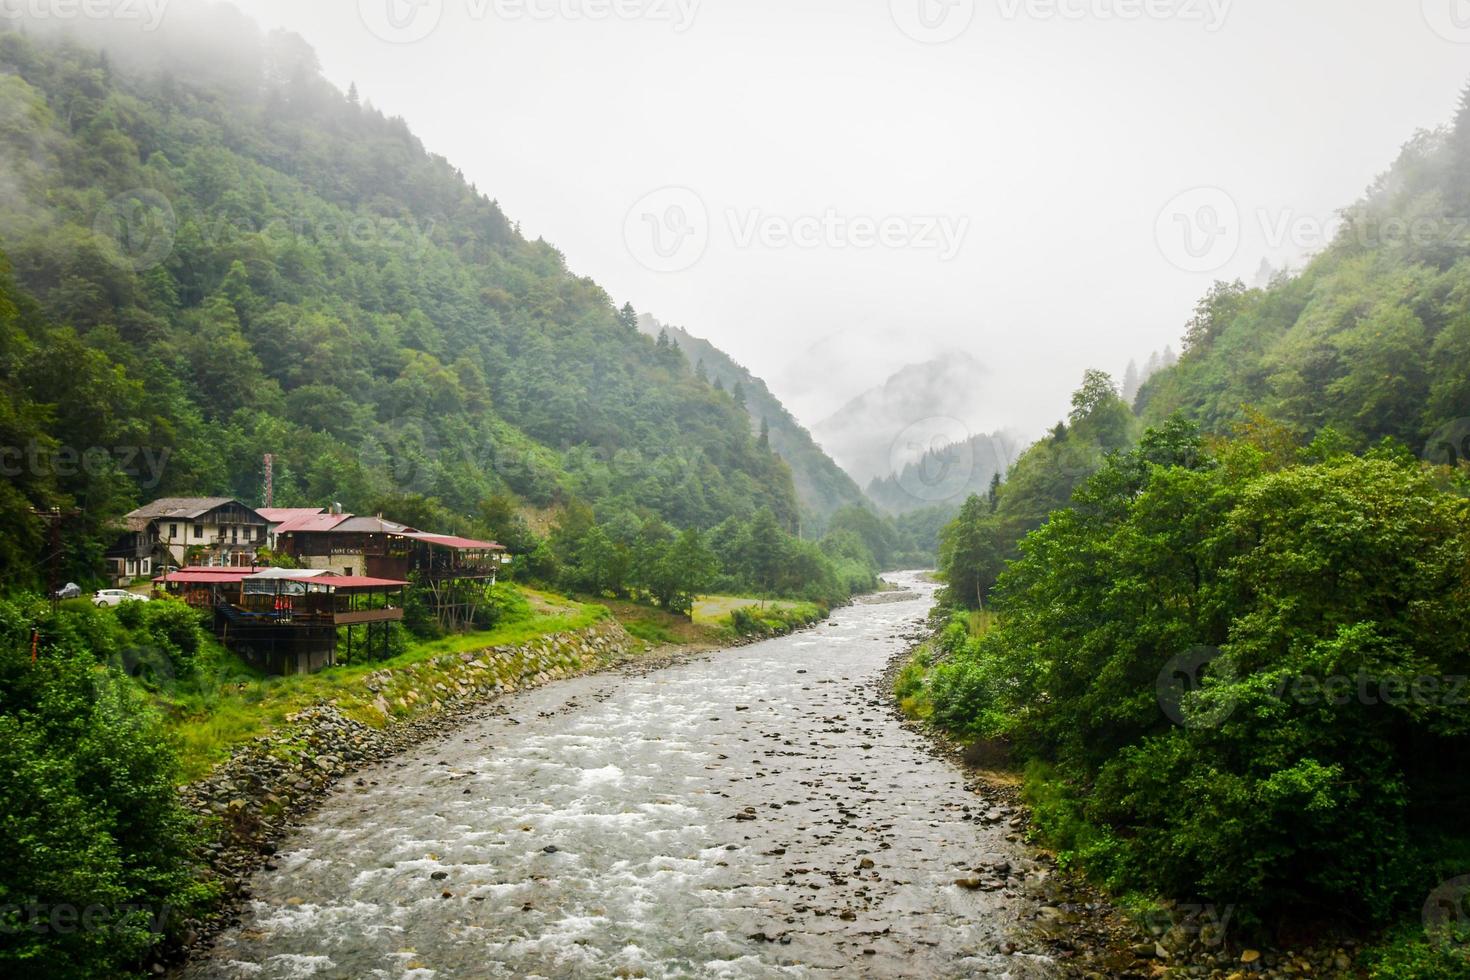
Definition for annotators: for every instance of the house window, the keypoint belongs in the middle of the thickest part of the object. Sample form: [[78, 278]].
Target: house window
[[198, 530], [173, 531], [234, 535], [347, 570]]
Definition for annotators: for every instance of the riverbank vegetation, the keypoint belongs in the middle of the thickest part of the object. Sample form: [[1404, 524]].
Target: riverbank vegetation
[[1233, 620]]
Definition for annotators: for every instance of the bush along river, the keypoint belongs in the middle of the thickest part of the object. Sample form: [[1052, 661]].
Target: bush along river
[[754, 812]]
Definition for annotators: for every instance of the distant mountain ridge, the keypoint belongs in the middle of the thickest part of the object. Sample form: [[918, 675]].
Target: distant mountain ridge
[[822, 486], [947, 475], [920, 408]]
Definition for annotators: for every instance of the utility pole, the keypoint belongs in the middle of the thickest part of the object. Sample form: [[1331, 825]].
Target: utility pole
[[54, 519]]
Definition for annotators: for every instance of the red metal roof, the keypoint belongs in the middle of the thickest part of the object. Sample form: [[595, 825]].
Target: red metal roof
[[223, 569], [455, 542], [279, 515], [356, 582], [207, 576], [311, 522]]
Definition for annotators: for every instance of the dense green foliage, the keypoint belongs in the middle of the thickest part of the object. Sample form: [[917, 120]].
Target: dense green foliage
[[822, 488], [94, 846], [974, 548], [1235, 663], [1322, 600], [250, 262], [625, 557], [756, 622]]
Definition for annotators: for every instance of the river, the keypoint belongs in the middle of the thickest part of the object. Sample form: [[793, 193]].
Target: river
[[755, 812]]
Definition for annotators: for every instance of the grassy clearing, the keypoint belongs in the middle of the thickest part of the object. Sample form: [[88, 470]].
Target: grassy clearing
[[230, 703], [658, 627], [716, 609]]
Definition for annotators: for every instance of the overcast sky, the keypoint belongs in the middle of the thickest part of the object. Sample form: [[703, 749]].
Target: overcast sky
[[829, 189]]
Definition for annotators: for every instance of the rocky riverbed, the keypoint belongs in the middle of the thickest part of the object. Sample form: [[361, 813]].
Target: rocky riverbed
[[250, 802], [753, 812]]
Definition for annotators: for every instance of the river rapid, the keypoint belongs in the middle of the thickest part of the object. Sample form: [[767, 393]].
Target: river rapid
[[755, 812]]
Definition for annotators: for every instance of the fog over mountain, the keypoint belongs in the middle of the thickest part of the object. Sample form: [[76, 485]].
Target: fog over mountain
[[781, 111], [921, 408]]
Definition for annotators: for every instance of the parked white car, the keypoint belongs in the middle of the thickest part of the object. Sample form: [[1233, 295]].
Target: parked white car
[[116, 597]]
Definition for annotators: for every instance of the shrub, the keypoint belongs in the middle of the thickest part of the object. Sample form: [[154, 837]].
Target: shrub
[[1408, 954], [1244, 791], [94, 846]]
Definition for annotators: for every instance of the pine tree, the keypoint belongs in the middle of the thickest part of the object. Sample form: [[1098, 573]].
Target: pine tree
[[765, 438], [739, 394], [1131, 383], [1459, 146], [628, 317]]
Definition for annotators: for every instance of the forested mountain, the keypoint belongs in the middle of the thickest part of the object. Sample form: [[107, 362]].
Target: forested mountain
[[1371, 339], [946, 475], [889, 426], [1369, 342], [822, 488], [209, 253]]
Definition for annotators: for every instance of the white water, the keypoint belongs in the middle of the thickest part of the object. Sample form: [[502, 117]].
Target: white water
[[635, 779]]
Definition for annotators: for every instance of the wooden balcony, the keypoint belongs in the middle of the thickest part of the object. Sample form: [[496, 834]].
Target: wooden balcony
[[368, 616]]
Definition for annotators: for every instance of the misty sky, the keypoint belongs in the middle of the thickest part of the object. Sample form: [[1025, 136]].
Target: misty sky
[[1012, 192]]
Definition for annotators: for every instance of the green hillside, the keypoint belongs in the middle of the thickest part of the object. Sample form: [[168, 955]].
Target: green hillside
[[1169, 595], [239, 259], [822, 487], [1371, 338]]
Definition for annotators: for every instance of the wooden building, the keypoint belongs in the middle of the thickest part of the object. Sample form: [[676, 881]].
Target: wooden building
[[286, 621], [171, 531], [452, 571]]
